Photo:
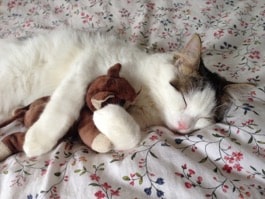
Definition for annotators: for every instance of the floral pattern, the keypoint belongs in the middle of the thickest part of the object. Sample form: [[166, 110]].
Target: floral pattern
[[225, 160]]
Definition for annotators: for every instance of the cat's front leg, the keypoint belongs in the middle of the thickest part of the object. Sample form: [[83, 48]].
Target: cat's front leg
[[118, 125], [60, 113]]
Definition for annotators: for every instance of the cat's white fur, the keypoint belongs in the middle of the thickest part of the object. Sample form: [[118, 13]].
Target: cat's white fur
[[63, 63]]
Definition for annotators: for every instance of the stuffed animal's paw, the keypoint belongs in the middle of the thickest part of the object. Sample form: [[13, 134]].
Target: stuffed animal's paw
[[37, 141], [118, 125], [101, 144]]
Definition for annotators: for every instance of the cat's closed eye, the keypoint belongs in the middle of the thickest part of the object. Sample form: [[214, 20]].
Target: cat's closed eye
[[175, 86]]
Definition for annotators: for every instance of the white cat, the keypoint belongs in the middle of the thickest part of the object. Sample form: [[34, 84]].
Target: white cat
[[63, 63]]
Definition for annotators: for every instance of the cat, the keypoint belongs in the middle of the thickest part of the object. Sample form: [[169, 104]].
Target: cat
[[174, 91]]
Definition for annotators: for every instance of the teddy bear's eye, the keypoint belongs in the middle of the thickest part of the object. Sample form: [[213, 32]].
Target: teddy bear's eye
[[122, 102]]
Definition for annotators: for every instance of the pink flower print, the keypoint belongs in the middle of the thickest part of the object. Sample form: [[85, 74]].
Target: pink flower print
[[247, 41], [209, 2], [100, 195], [244, 24], [47, 163], [218, 34], [206, 9], [43, 172], [231, 122], [229, 159], [238, 156], [32, 10], [193, 148], [224, 188], [230, 31], [191, 172], [133, 38], [86, 17], [141, 163], [254, 54], [66, 178], [227, 168], [115, 192], [58, 10], [172, 45], [248, 194], [221, 130], [62, 164], [238, 167], [94, 177], [188, 185], [159, 132], [106, 186], [154, 137], [13, 4], [250, 99], [184, 166], [150, 5], [247, 123], [253, 93], [124, 12], [199, 179], [132, 183]]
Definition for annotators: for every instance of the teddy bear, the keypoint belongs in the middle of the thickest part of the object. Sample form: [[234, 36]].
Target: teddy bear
[[13, 142], [104, 90]]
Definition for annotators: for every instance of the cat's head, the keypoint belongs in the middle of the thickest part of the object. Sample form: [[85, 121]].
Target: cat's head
[[204, 97]]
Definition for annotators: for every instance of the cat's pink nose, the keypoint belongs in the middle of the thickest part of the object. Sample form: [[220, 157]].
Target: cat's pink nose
[[182, 125]]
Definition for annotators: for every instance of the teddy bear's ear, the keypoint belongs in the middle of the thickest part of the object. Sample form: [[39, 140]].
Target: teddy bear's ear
[[101, 97], [114, 70]]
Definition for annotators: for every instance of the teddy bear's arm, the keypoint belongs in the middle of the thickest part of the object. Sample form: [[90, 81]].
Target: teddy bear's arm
[[90, 135], [118, 125]]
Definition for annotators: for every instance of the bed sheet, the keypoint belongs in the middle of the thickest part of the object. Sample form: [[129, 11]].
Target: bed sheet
[[225, 160]]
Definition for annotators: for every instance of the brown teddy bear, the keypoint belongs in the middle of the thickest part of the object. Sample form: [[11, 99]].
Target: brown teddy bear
[[105, 89]]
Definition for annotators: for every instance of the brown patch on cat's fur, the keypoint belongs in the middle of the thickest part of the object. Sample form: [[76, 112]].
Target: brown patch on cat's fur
[[223, 89]]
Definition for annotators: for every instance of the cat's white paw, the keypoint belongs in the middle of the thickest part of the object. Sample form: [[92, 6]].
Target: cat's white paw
[[118, 125], [37, 141]]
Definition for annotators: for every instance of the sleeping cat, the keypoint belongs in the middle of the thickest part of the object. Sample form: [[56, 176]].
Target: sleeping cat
[[174, 90]]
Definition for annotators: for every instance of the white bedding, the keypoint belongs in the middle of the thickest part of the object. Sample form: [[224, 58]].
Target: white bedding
[[225, 160]]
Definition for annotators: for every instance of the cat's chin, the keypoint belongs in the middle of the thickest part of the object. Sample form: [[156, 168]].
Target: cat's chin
[[189, 126], [181, 131]]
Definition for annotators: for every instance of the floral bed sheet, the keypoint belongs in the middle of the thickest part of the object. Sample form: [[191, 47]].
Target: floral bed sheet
[[225, 160]]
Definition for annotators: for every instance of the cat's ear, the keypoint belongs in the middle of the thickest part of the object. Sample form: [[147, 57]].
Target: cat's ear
[[192, 50], [188, 59]]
